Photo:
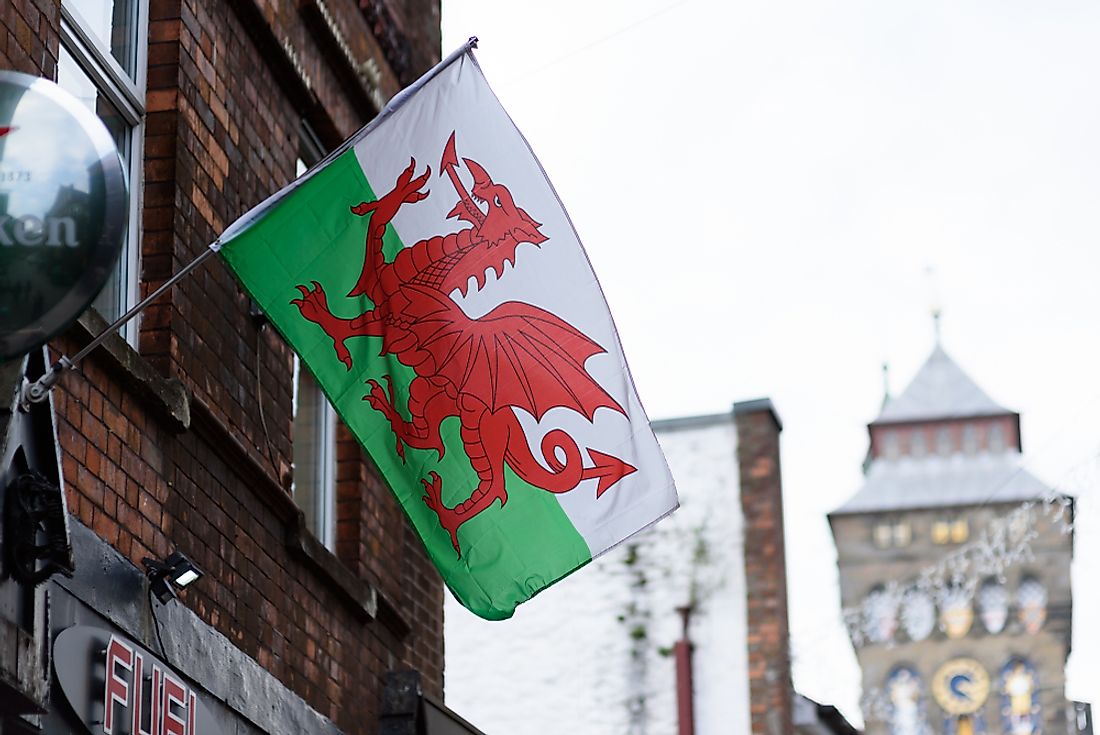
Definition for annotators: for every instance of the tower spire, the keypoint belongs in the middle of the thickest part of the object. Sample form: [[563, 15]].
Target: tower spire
[[885, 383], [935, 302]]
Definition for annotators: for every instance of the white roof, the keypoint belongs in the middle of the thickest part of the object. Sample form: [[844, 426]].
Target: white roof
[[940, 390], [933, 482]]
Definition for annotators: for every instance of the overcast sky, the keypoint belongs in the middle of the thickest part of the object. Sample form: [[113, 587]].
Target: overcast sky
[[762, 188]]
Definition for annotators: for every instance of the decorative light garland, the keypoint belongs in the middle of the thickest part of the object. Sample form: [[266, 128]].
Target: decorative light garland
[[1004, 543]]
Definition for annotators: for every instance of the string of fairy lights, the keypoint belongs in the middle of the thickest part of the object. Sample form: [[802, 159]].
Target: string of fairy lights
[[1005, 542]]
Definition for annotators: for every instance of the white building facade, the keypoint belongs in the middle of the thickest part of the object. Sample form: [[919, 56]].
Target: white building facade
[[596, 653]]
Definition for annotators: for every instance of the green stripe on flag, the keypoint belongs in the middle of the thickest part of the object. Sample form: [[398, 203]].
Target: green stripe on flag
[[311, 235]]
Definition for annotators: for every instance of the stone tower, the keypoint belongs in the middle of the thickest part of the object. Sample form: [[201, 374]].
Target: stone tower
[[955, 568]]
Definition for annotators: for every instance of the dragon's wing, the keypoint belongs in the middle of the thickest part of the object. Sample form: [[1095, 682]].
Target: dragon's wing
[[516, 355]]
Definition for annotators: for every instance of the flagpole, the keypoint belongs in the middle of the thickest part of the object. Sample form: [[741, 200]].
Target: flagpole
[[37, 391]]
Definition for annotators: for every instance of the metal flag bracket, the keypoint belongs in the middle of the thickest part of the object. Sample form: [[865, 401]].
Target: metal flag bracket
[[39, 390]]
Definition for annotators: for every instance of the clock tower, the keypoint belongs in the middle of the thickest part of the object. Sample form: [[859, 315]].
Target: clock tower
[[955, 569]]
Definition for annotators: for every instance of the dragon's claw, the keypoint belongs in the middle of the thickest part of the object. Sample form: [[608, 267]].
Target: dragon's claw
[[433, 498], [382, 400], [406, 176], [314, 306]]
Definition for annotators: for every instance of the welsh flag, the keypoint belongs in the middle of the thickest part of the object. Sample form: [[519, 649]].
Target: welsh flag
[[429, 277]]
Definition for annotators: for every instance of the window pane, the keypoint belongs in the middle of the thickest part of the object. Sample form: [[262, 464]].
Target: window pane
[[111, 301], [960, 531], [902, 534], [113, 23], [917, 447], [941, 532], [314, 457]]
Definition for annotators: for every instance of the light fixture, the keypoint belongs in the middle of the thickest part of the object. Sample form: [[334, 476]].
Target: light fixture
[[164, 576]]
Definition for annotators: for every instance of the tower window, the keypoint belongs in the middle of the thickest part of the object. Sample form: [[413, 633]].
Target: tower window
[[891, 447], [950, 531], [917, 445], [943, 441], [960, 531], [892, 533], [996, 438], [941, 532], [903, 534], [970, 439]]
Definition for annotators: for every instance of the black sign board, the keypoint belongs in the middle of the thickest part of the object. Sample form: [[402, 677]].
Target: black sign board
[[63, 209]]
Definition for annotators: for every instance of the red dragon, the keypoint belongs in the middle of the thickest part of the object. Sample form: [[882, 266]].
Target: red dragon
[[516, 356]]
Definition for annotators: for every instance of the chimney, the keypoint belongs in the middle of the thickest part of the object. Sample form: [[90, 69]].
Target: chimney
[[685, 707], [770, 688]]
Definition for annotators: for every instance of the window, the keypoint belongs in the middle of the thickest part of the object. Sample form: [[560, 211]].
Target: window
[[917, 446], [943, 441], [314, 438], [996, 438], [101, 62], [891, 447], [960, 531], [892, 533], [941, 532], [970, 439], [314, 485], [950, 531], [883, 535], [902, 533]]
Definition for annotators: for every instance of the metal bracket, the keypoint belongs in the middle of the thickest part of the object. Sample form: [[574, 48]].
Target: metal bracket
[[39, 390], [35, 529]]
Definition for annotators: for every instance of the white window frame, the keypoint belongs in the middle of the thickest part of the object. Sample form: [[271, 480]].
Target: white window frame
[[128, 97], [315, 493]]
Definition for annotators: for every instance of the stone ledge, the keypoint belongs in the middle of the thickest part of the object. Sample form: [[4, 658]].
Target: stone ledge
[[166, 396]]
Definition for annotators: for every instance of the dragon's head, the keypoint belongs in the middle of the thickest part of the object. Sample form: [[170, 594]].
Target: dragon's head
[[506, 225], [497, 230]]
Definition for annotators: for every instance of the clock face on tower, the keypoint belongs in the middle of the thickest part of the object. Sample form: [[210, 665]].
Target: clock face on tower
[[960, 686]]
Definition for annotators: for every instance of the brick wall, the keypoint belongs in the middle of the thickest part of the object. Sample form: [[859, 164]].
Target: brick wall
[[168, 447], [770, 688], [28, 36]]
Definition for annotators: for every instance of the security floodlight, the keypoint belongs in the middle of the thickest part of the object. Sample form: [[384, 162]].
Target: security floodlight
[[165, 576]]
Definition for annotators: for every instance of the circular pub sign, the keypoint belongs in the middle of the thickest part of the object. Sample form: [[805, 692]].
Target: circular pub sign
[[62, 210]]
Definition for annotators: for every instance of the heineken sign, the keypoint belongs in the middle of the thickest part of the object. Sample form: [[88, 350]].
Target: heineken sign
[[62, 210]]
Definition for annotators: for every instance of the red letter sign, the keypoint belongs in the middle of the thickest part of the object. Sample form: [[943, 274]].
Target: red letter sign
[[116, 688]]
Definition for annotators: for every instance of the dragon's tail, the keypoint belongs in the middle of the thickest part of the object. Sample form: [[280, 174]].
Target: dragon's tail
[[562, 476]]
